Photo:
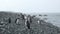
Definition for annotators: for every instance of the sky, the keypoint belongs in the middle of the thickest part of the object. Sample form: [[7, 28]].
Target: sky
[[30, 6]]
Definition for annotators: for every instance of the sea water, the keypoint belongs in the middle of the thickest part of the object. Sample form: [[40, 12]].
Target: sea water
[[53, 18]]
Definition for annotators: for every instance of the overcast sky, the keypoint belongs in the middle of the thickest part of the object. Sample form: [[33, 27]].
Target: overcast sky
[[30, 6]]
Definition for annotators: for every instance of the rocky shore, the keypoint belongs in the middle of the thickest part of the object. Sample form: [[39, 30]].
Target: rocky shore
[[36, 28]]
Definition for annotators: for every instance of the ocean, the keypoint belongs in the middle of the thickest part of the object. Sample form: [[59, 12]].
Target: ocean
[[53, 18]]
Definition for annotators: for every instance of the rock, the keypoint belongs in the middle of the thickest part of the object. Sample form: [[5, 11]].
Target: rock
[[45, 15], [13, 28], [40, 15]]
